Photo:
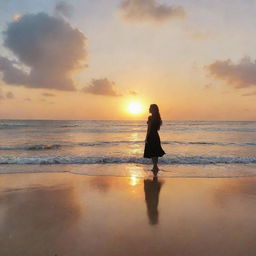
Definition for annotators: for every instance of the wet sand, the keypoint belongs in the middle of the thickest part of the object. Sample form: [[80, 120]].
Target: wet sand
[[66, 214]]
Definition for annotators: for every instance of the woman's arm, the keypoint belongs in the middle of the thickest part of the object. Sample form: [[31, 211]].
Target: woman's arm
[[149, 128]]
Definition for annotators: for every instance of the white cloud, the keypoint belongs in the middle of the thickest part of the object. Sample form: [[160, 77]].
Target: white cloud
[[101, 87], [240, 75], [149, 10], [50, 47]]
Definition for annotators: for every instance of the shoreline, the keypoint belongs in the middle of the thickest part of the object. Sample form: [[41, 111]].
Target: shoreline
[[138, 177], [137, 170]]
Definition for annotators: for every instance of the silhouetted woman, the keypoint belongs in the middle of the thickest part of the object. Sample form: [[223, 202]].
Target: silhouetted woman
[[153, 147]]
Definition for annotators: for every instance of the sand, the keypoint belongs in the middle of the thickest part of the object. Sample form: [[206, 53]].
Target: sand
[[67, 214]]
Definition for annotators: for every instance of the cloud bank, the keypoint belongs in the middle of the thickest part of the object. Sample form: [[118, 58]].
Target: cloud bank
[[149, 10], [49, 47], [239, 75], [101, 87]]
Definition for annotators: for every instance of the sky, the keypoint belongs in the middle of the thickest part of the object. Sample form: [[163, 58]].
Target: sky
[[89, 59]]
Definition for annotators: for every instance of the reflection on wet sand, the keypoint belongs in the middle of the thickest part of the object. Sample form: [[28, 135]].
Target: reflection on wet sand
[[102, 185], [65, 214], [152, 189], [36, 221]]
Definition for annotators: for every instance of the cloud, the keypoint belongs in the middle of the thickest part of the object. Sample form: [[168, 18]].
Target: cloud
[[239, 75], [208, 86], [131, 92], [249, 94], [101, 87], [64, 9], [1, 94], [46, 94], [9, 95], [50, 48], [11, 74], [199, 35], [149, 10]]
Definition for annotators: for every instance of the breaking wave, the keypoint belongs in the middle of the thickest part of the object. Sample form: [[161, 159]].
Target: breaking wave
[[113, 143], [181, 160]]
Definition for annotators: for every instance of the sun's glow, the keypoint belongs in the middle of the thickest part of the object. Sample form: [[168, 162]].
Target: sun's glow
[[16, 17], [135, 108]]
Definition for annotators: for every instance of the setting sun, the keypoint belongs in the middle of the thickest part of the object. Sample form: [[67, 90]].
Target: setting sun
[[135, 108]]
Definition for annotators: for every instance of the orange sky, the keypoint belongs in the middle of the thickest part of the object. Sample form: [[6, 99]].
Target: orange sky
[[90, 59]]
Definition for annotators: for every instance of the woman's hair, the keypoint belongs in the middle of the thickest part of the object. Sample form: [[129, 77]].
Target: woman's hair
[[156, 118]]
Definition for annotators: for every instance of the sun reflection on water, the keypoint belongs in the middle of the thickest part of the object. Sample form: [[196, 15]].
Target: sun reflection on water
[[134, 136], [135, 173], [133, 180]]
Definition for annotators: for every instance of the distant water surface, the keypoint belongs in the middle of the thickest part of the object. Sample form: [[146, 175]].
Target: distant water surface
[[201, 148]]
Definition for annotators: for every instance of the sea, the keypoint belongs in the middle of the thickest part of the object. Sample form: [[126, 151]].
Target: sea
[[115, 148]]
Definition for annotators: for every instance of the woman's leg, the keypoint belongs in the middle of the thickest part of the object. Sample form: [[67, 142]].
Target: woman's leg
[[155, 161]]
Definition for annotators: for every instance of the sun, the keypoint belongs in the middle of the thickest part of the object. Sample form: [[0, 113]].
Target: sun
[[135, 108]]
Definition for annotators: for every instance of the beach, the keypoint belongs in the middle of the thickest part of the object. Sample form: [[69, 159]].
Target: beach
[[68, 214], [71, 188]]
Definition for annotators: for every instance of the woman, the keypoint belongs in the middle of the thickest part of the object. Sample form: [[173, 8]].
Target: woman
[[153, 147]]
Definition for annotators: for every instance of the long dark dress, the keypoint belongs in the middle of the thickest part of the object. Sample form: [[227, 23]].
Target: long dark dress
[[153, 145]]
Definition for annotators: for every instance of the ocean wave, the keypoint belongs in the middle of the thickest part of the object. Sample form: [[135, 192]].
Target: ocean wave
[[13, 126], [68, 126], [101, 143], [31, 147], [58, 146], [114, 143], [210, 143], [43, 147], [181, 160]]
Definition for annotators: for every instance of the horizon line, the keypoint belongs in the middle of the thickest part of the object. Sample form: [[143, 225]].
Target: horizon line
[[168, 120]]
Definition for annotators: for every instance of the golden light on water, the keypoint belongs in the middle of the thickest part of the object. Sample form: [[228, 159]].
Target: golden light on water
[[135, 107], [133, 180]]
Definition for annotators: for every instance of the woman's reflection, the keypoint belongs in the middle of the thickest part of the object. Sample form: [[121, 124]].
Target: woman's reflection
[[152, 189]]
